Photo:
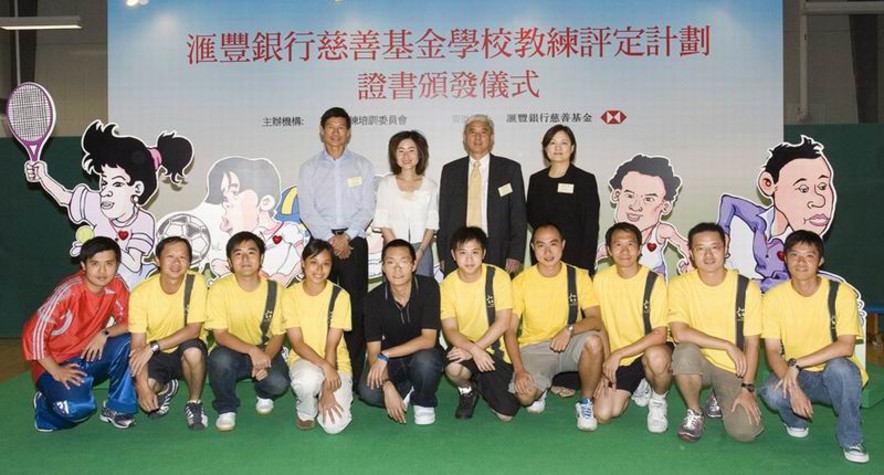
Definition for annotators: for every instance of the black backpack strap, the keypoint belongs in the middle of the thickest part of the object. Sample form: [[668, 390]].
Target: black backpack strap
[[331, 302], [833, 293], [740, 308], [490, 310], [188, 289], [269, 307], [646, 300], [572, 295]]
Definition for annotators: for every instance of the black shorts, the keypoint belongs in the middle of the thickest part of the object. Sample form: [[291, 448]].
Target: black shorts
[[493, 386], [629, 377], [164, 367]]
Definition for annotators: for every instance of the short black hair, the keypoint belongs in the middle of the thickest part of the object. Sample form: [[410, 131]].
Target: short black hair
[[782, 154], [705, 228], [316, 247], [244, 236], [335, 112], [550, 225], [172, 240], [623, 226], [651, 166], [98, 244], [804, 236], [399, 243], [548, 136], [466, 234]]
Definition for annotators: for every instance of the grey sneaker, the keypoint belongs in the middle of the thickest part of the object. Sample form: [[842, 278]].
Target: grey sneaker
[[195, 416], [164, 399], [856, 454], [117, 419], [642, 394], [712, 409], [692, 426]]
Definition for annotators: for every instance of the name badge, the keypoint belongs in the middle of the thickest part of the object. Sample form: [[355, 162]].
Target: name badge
[[505, 190], [354, 181], [566, 188]]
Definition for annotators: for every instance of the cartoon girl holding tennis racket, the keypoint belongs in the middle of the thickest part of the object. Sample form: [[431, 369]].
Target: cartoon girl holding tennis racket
[[128, 172]]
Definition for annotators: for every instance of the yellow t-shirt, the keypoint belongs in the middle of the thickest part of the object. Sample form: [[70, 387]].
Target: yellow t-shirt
[[310, 314], [542, 302], [711, 310], [802, 323], [231, 308], [466, 302], [621, 305], [158, 314]]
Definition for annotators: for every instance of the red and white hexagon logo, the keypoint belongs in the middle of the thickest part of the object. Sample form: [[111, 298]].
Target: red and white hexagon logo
[[613, 117]]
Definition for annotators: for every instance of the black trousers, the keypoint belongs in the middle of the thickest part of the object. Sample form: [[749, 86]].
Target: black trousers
[[352, 275]]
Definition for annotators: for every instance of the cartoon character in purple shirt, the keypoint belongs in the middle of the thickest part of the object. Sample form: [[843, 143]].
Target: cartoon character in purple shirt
[[797, 179]]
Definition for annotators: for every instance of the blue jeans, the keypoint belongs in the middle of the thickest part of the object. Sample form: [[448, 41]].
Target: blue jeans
[[62, 408], [839, 385], [226, 367], [420, 371]]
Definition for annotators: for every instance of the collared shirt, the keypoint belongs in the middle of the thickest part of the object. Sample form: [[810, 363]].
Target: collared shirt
[[407, 213], [484, 167], [393, 324], [336, 194]]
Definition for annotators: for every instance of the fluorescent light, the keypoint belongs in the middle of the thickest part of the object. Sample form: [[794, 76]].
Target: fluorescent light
[[40, 23]]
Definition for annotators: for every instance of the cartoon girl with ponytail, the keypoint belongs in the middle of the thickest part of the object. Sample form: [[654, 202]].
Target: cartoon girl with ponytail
[[128, 172]]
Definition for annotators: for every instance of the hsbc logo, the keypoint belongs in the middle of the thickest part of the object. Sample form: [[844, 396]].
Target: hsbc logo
[[613, 117]]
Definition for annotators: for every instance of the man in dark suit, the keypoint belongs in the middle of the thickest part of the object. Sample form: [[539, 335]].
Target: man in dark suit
[[487, 191]]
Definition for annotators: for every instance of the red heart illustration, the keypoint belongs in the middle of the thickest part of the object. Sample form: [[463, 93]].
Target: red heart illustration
[[123, 234], [652, 246], [781, 255], [277, 239]]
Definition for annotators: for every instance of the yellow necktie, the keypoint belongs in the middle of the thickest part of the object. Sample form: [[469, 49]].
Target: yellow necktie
[[474, 197]]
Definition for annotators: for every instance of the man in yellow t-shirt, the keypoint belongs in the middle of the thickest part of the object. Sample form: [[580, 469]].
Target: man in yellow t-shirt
[[476, 305], [810, 328], [316, 315], [166, 315], [558, 309], [704, 319], [245, 318], [634, 309]]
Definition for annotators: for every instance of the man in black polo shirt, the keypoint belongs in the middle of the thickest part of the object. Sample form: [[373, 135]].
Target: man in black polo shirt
[[402, 335]]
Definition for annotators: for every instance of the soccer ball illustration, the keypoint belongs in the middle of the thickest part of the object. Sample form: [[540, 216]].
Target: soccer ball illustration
[[191, 228]]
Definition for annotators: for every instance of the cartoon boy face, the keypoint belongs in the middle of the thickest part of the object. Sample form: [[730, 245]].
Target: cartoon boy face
[[240, 206], [803, 195], [640, 200], [117, 195]]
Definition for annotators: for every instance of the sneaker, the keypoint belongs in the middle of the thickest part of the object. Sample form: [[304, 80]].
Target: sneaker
[[226, 421], [195, 416], [692, 426], [424, 416], [797, 432], [538, 406], [642, 394], [164, 399], [117, 419], [302, 424], [407, 399], [856, 454], [468, 398], [712, 409], [585, 419], [657, 421], [264, 406], [38, 399]]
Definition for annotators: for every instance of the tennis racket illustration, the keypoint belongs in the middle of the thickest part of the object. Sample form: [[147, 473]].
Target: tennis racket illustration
[[30, 112]]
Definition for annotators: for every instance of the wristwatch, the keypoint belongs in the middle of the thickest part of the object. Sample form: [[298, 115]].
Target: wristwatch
[[106, 333], [749, 387], [154, 346], [794, 363], [571, 328]]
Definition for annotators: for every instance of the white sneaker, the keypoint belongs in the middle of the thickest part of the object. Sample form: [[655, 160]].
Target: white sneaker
[[226, 422], [407, 399], [797, 432], [642, 394], [538, 406], [585, 419], [424, 416], [657, 420], [264, 406]]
